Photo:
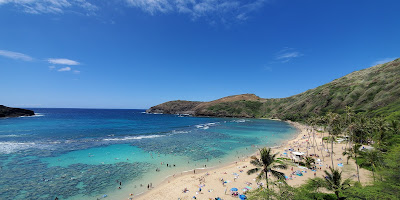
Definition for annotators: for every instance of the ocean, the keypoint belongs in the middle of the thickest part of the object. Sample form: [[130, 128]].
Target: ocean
[[111, 153]]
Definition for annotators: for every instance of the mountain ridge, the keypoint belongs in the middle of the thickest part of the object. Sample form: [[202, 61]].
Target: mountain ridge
[[374, 90]]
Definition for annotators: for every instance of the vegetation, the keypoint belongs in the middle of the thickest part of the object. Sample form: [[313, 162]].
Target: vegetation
[[383, 160], [267, 163], [332, 182], [374, 91], [363, 106]]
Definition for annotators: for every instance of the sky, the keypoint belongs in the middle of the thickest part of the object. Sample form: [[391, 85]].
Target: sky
[[139, 53]]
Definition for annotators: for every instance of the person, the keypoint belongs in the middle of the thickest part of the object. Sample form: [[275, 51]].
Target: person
[[56, 198], [148, 186], [194, 171]]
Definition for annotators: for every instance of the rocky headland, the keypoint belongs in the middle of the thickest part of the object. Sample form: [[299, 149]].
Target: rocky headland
[[14, 112]]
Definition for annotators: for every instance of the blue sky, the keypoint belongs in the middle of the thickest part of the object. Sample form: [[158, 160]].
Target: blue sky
[[139, 53]]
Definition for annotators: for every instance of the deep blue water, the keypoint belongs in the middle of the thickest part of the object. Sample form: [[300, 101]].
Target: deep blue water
[[84, 150]]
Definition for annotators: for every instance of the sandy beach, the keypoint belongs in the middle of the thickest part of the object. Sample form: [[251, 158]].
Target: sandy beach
[[208, 184]]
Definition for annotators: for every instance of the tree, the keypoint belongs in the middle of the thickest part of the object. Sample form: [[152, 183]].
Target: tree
[[372, 158], [334, 128], [333, 182], [308, 161], [394, 127], [380, 133], [267, 163]]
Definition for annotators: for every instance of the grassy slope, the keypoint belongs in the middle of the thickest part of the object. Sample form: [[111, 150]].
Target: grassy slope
[[376, 90]]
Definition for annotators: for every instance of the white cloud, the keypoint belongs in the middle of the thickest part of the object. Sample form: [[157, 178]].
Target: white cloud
[[287, 54], [76, 72], [62, 61], [223, 9], [15, 55], [382, 61], [52, 67], [64, 69], [51, 6]]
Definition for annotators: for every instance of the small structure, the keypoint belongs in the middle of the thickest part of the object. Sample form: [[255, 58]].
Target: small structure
[[297, 156]]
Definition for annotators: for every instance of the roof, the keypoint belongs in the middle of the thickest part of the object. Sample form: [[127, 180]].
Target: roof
[[297, 153]]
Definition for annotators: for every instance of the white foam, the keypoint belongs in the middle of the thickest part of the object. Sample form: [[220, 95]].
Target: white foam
[[133, 137], [207, 125], [4, 136], [10, 147], [35, 115], [179, 132], [240, 121]]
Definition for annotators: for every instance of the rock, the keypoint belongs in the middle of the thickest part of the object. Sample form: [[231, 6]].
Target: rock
[[14, 112]]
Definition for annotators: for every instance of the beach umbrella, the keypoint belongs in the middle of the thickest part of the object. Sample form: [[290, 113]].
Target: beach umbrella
[[234, 189], [242, 196]]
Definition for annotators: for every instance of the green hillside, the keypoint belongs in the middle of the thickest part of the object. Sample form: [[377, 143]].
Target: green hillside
[[375, 90]]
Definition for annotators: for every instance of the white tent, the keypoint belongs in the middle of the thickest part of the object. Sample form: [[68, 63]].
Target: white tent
[[297, 153]]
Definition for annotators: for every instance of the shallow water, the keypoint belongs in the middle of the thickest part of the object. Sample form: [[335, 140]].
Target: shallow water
[[81, 153]]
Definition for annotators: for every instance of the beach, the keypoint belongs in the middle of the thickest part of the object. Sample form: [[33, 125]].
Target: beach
[[217, 182]]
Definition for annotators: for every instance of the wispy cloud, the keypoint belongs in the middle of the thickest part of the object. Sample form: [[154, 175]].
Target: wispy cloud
[[381, 61], [223, 9], [76, 72], [15, 55], [62, 61], [51, 6], [64, 69], [287, 54]]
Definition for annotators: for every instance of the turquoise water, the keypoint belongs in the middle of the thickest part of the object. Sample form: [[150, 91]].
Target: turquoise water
[[81, 153]]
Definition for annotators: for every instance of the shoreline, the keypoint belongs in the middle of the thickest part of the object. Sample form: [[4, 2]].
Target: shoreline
[[188, 179], [169, 178], [220, 166]]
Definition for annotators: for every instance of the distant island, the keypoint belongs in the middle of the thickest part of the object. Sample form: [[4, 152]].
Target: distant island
[[375, 91], [14, 112]]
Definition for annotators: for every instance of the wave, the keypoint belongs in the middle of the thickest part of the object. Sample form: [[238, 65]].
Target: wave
[[133, 137], [240, 120], [5, 136], [207, 125], [10, 147], [35, 115], [179, 132]]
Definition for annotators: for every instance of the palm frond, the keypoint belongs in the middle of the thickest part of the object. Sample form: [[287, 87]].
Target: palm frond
[[252, 171]]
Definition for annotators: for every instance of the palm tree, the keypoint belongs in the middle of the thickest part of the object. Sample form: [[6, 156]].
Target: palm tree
[[349, 119], [374, 159], [333, 128], [351, 152], [267, 163], [333, 182], [308, 161]]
